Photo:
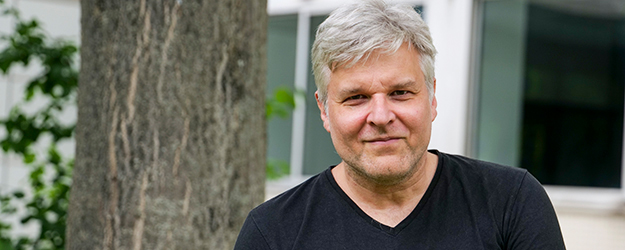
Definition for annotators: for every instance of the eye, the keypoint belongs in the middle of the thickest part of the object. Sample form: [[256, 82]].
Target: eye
[[399, 92], [355, 97]]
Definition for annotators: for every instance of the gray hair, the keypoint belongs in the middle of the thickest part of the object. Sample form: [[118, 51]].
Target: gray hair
[[352, 32]]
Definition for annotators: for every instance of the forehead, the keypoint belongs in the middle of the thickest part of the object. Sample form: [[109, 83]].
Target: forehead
[[399, 67]]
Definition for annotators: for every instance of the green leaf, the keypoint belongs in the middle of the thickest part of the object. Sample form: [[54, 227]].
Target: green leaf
[[285, 96], [268, 110], [18, 194], [5, 244], [54, 156], [280, 104], [277, 168], [29, 158]]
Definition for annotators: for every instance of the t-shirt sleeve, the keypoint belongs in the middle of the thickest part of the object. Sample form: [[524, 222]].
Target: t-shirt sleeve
[[250, 237], [531, 220]]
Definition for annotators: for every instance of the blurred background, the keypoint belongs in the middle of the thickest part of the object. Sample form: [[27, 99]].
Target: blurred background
[[536, 84]]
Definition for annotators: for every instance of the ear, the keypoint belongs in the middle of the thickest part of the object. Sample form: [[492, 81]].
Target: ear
[[324, 116], [434, 103]]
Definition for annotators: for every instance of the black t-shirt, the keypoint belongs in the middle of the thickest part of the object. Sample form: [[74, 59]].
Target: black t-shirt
[[469, 204]]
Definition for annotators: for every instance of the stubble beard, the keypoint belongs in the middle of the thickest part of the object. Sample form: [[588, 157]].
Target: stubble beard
[[365, 171]]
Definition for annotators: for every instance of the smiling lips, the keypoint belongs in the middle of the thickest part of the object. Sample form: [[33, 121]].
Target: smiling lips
[[382, 140]]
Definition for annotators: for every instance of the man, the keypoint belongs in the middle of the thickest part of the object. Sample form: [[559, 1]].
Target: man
[[374, 70]]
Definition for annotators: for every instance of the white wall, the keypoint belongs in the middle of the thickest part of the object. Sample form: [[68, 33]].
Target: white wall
[[450, 24]]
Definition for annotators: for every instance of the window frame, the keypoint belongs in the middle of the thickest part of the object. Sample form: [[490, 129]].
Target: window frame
[[565, 198]]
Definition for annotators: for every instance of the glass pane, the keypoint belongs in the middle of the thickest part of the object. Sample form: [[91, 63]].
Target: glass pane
[[319, 153], [501, 83], [281, 40], [573, 97], [564, 120]]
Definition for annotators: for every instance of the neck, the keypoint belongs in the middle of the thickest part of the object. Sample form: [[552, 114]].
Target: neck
[[389, 202]]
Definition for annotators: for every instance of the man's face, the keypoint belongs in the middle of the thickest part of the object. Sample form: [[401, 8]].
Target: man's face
[[379, 115]]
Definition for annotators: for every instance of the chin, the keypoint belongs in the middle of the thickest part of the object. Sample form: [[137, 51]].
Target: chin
[[383, 171]]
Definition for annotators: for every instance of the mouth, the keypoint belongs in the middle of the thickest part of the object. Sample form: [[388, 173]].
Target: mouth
[[382, 140]]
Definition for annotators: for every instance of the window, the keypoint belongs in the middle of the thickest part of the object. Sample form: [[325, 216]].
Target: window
[[319, 151], [281, 40], [551, 90]]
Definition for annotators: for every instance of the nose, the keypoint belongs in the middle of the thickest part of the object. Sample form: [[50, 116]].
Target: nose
[[380, 113]]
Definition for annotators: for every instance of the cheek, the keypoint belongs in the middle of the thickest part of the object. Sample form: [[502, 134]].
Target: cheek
[[417, 120], [345, 124]]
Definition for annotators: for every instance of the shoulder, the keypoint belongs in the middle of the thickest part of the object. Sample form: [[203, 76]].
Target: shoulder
[[495, 187], [505, 185], [286, 202], [281, 216], [517, 204], [481, 173], [468, 165]]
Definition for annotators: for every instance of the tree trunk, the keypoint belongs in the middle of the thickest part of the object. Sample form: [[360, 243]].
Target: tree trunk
[[170, 137]]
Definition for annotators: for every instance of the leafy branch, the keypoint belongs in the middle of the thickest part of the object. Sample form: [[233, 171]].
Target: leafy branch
[[45, 202]]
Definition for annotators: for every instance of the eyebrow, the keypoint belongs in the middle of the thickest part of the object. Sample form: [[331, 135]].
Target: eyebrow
[[351, 91], [404, 84]]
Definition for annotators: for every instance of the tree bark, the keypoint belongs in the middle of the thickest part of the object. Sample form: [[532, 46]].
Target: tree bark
[[170, 137]]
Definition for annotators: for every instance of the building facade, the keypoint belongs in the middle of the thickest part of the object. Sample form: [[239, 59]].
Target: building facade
[[537, 84]]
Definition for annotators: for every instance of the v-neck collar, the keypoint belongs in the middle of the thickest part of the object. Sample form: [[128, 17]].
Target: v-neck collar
[[406, 221]]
